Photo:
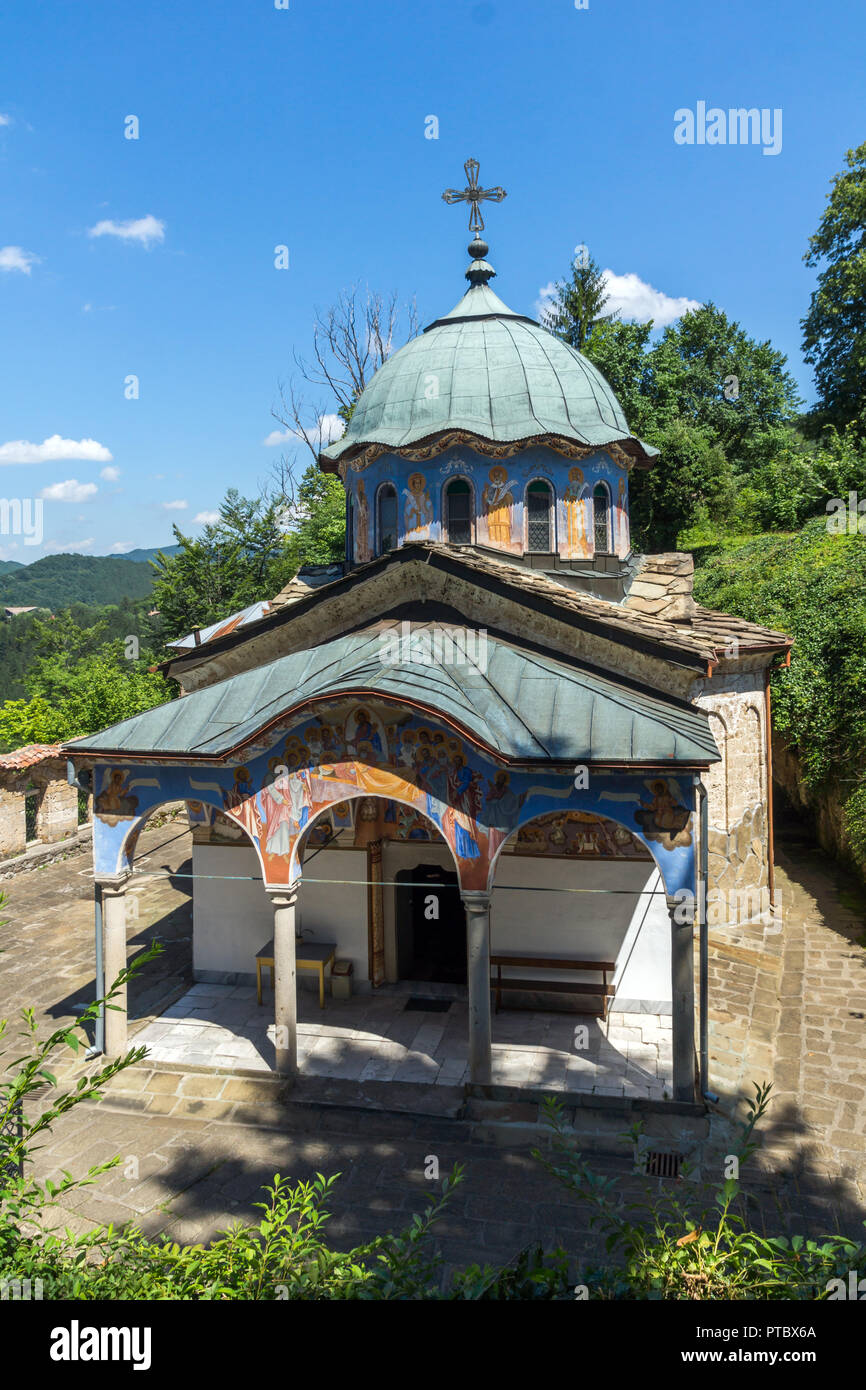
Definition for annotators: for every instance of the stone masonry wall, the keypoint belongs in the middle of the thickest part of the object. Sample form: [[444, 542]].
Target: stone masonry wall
[[737, 793], [12, 835], [57, 814], [58, 807]]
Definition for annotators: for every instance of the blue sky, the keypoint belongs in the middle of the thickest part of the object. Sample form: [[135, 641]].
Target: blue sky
[[305, 127]]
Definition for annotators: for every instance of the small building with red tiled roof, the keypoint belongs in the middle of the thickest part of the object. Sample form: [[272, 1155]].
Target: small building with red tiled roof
[[37, 804]]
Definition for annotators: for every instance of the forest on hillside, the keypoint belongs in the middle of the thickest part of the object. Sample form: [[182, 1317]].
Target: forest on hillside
[[56, 581]]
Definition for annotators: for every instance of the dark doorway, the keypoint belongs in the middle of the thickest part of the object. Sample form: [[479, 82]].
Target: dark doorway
[[431, 926]]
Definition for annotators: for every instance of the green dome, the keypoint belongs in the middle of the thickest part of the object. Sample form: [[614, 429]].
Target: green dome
[[489, 372]]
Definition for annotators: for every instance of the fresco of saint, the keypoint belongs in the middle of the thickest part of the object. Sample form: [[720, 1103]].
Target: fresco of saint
[[497, 500], [277, 807], [363, 550], [361, 728], [239, 802], [576, 514], [664, 818], [114, 799], [622, 513], [417, 509]]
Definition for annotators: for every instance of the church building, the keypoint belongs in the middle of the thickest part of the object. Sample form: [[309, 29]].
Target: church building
[[495, 755]]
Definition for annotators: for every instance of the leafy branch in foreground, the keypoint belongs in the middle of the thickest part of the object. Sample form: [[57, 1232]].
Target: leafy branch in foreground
[[28, 1075], [666, 1245]]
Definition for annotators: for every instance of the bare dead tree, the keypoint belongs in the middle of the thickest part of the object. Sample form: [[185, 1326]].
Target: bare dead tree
[[351, 341]]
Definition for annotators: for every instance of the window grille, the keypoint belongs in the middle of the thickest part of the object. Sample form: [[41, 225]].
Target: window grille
[[601, 517], [31, 813], [538, 503], [458, 499]]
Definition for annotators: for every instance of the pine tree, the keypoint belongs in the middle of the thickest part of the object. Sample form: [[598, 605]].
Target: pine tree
[[577, 304]]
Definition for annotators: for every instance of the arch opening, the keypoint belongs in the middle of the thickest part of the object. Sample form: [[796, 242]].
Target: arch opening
[[570, 885], [416, 922], [387, 518], [458, 511]]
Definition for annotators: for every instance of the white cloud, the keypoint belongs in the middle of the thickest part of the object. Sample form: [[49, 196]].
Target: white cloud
[[53, 449], [640, 302], [545, 295], [69, 491], [177, 506], [142, 229], [73, 548], [326, 429], [120, 547], [5, 120], [206, 518], [16, 258], [632, 297], [109, 474]]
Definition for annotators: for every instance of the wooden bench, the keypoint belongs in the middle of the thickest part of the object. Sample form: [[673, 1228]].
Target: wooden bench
[[600, 991]]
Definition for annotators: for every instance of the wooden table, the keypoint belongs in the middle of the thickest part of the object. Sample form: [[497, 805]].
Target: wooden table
[[309, 955]]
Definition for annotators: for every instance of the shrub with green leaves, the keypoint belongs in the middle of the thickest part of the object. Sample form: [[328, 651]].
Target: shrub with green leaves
[[670, 1243], [812, 585]]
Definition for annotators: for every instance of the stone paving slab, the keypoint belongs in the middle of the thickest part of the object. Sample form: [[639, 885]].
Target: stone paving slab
[[375, 1038]]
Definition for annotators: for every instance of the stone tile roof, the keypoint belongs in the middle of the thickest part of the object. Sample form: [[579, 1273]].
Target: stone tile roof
[[662, 587], [28, 756], [659, 607]]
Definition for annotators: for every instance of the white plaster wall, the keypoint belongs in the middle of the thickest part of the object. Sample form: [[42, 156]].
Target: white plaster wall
[[337, 911], [232, 917], [633, 931]]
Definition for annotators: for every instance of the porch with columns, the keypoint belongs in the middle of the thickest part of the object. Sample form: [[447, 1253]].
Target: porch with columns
[[479, 781], [479, 1036]]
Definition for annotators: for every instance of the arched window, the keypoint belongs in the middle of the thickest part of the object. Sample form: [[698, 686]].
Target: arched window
[[458, 512], [539, 509], [387, 518], [601, 518]]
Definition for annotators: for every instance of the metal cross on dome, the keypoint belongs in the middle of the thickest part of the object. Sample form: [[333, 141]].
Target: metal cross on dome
[[474, 195]]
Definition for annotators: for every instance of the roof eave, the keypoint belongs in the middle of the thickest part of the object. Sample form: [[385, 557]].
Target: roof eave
[[346, 449]]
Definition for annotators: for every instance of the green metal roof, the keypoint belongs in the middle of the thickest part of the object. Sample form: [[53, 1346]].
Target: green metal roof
[[525, 705], [497, 374]]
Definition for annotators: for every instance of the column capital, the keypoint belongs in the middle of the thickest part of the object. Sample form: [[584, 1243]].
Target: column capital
[[476, 899], [112, 883], [682, 910], [283, 894]]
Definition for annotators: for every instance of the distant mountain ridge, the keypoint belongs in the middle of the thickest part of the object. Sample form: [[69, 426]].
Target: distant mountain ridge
[[54, 581]]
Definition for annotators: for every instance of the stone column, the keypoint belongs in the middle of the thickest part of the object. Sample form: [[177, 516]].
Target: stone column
[[682, 915], [377, 914], [477, 906], [284, 901], [113, 892]]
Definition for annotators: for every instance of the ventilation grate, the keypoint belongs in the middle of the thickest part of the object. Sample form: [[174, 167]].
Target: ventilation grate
[[659, 1164]]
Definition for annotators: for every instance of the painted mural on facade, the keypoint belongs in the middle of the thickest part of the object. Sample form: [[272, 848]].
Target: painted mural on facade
[[498, 499], [292, 774]]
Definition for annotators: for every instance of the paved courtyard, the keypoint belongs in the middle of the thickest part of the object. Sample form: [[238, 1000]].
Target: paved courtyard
[[374, 1037], [788, 1007]]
